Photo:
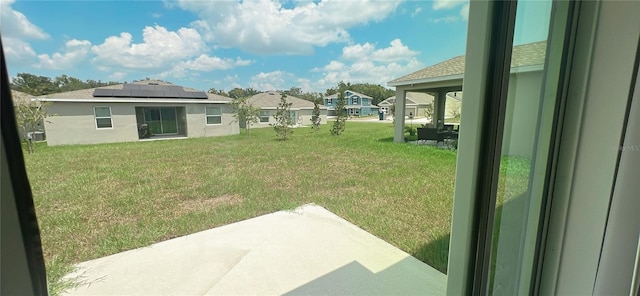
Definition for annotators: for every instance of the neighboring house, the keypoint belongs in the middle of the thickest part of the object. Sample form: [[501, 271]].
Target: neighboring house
[[356, 104], [19, 97], [301, 110], [416, 104], [141, 110], [444, 80]]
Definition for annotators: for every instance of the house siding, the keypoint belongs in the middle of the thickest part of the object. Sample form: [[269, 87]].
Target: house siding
[[305, 114], [74, 122]]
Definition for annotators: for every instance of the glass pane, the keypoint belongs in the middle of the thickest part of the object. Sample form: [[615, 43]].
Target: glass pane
[[214, 119], [169, 122], [517, 211], [151, 114], [103, 111], [213, 111], [103, 122]]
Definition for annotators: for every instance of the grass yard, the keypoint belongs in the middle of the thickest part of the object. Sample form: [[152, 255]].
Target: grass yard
[[96, 200]]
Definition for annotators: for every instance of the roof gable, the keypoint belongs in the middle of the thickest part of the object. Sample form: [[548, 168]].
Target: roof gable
[[334, 96], [271, 99], [523, 55]]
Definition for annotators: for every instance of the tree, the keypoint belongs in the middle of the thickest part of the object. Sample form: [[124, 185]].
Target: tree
[[392, 110], [341, 113], [29, 115], [218, 92], [245, 112], [315, 114], [283, 123], [428, 111]]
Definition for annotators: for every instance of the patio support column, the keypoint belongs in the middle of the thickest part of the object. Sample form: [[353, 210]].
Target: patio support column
[[398, 117], [439, 107]]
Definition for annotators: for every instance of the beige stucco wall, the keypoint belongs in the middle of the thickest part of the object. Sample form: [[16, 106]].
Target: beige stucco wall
[[305, 114], [522, 111], [196, 122], [74, 122]]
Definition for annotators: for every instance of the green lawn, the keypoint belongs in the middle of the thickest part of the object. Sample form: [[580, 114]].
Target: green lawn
[[96, 200]]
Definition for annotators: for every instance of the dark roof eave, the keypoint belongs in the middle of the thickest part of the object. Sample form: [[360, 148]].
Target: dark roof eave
[[427, 80]]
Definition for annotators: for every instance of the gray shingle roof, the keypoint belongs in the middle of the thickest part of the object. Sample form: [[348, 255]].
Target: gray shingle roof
[[529, 54], [271, 99], [333, 96], [88, 93], [417, 98]]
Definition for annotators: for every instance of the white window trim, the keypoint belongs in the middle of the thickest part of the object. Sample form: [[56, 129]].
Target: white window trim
[[354, 101], [267, 116], [95, 117], [206, 122]]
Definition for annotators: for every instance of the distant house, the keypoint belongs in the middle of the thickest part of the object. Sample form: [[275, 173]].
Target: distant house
[[300, 111], [24, 98], [416, 104], [141, 110], [356, 104]]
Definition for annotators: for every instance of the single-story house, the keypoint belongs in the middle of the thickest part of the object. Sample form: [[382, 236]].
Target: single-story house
[[18, 98], [142, 110], [416, 104], [301, 110], [445, 78], [356, 104]]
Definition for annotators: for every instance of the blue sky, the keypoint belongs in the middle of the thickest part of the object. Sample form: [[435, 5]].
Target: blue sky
[[262, 44]]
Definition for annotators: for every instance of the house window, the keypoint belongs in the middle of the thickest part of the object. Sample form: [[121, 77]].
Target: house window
[[354, 101], [328, 101], [103, 117], [214, 115], [264, 116]]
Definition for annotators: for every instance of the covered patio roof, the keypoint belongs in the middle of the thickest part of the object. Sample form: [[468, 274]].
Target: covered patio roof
[[446, 76]]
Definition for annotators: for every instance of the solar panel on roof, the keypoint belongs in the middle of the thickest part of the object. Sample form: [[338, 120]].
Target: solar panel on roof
[[200, 95], [129, 86], [171, 94], [121, 93], [101, 92]]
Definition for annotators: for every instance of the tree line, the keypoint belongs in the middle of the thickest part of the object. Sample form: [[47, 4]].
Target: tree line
[[42, 85], [375, 91]]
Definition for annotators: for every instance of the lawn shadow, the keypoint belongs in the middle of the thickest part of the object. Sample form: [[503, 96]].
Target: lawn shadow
[[386, 140], [435, 253]]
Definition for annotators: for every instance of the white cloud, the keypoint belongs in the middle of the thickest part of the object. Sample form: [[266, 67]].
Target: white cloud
[[396, 52], [17, 52], [447, 4], [208, 63], [75, 51], [269, 80], [267, 27], [117, 76], [370, 65], [230, 78], [416, 12], [204, 63], [445, 19], [464, 12], [450, 4], [356, 52], [159, 48], [16, 30], [16, 24]]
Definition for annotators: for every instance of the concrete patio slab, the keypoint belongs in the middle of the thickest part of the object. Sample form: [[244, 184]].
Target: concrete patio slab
[[307, 251]]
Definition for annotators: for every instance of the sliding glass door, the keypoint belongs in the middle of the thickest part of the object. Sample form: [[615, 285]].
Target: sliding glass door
[[161, 120]]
